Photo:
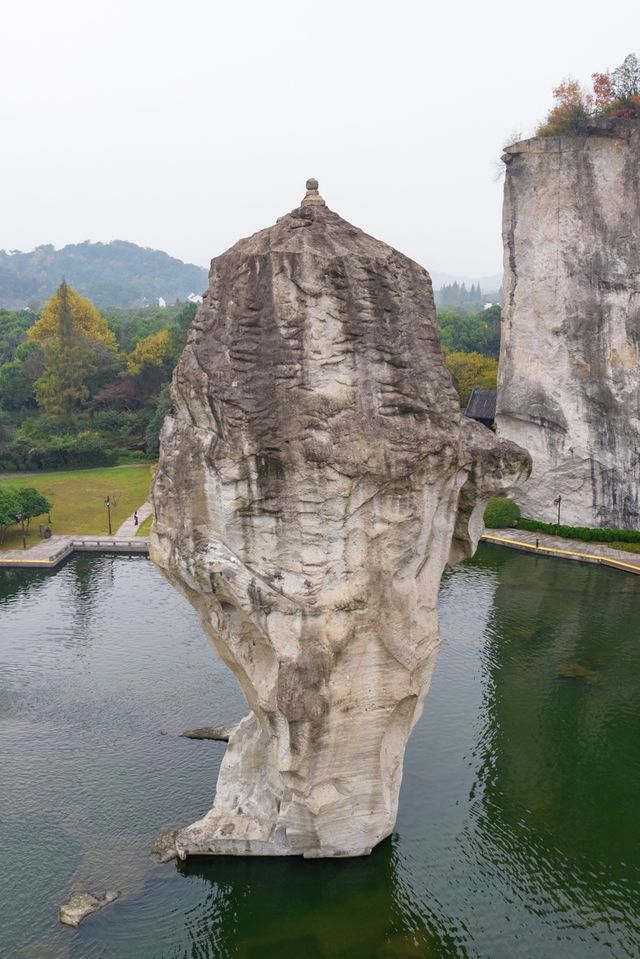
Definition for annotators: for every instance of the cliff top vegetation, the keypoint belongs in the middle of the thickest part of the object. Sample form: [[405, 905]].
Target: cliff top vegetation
[[615, 94]]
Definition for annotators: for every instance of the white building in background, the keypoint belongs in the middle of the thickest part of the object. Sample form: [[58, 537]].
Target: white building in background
[[162, 303], [194, 298]]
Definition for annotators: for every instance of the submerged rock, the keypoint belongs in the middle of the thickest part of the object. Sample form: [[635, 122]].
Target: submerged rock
[[579, 673], [569, 384], [82, 904], [219, 733], [315, 478]]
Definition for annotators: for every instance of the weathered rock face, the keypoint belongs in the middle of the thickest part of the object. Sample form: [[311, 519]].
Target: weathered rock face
[[569, 386], [314, 480]]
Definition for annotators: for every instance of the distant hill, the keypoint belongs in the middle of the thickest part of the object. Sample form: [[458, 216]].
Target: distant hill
[[117, 274]]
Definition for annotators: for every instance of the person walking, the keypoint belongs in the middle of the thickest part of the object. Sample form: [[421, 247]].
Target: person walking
[[135, 518]]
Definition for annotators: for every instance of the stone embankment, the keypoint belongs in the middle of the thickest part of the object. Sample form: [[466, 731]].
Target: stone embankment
[[52, 552], [542, 544]]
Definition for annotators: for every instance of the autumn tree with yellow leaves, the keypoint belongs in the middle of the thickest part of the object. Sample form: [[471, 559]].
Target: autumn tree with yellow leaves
[[75, 340], [469, 370], [155, 350]]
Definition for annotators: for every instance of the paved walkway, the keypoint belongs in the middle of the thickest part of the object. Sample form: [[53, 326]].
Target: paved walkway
[[564, 548], [49, 553], [129, 528]]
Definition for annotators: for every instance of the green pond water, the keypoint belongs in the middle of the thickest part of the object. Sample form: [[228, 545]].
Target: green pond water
[[519, 826]]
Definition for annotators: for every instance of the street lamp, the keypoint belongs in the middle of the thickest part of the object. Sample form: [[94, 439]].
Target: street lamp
[[557, 502], [107, 503]]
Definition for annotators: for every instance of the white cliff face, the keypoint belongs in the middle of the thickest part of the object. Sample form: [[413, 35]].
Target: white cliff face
[[569, 384], [314, 480]]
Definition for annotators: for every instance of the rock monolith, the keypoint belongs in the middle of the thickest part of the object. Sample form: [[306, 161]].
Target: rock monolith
[[315, 477], [569, 384]]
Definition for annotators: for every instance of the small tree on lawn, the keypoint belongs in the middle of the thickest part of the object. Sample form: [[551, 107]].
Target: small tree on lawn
[[32, 503], [9, 509]]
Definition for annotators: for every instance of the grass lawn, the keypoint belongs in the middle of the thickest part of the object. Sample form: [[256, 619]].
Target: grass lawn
[[78, 499], [625, 547], [145, 526]]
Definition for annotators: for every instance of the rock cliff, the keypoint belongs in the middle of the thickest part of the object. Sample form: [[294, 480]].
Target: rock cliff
[[569, 385], [315, 477]]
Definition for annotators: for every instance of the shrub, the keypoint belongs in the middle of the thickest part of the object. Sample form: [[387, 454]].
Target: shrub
[[585, 533], [571, 113], [58, 452], [615, 94], [501, 512], [152, 435]]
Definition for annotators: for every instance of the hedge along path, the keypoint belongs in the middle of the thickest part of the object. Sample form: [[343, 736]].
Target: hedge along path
[[78, 499], [554, 546]]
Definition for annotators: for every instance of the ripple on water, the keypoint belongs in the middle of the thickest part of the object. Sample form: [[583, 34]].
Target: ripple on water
[[517, 832]]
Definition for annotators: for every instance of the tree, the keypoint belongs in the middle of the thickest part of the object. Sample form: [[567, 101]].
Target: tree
[[615, 94], [152, 433], [30, 355], [471, 332], [32, 503], [18, 376], [68, 316], [9, 509], [75, 340], [155, 350], [469, 370], [183, 321], [13, 330], [626, 78], [16, 389], [571, 112], [61, 388]]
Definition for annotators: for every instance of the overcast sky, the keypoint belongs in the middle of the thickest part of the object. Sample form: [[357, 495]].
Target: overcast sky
[[188, 124]]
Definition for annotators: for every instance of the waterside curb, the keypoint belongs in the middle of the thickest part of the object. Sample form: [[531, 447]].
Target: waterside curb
[[59, 548], [554, 546]]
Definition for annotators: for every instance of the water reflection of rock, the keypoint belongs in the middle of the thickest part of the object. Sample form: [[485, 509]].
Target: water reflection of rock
[[560, 792], [287, 908]]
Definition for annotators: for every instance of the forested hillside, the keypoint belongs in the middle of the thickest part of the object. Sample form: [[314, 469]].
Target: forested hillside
[[83, 387], [116, 274], [86, 387]]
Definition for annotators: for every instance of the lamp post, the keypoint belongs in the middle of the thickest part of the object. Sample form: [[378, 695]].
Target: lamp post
[[557, 502], [107, 503]]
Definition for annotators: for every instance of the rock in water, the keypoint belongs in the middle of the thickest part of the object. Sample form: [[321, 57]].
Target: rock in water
[[81, 905], [164, 848], [219, 733], [315, 477], [569, 386]]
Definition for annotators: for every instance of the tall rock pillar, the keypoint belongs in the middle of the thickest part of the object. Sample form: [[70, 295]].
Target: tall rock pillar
[[569, 383], [314, 479]]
